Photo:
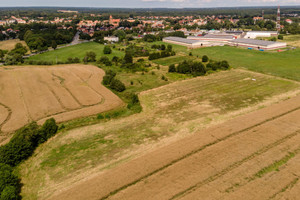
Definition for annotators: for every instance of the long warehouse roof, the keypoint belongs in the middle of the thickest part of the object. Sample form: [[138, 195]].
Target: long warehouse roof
[[182, 40], [255, 42]]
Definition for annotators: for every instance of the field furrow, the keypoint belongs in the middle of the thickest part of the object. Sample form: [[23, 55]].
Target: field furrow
[[194, 162]]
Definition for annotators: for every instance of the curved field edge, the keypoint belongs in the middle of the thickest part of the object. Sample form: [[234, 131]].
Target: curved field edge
[[67, 103], [170, 112]]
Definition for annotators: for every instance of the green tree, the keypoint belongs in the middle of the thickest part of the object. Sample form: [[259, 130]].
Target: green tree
[[7, 178], [117, 85], [128, 58], [90, 56], [172, 68], [204, 58], [10, 193], [54, 44], [107, 50], [49, 128], [2, 54]]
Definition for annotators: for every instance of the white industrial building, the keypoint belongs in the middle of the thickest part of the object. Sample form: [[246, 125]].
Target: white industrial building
[[213, 38], [257, 44], [185, 42], [111, 39], [256, 34]]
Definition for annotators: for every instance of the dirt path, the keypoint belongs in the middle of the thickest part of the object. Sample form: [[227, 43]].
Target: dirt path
[[226, 153]]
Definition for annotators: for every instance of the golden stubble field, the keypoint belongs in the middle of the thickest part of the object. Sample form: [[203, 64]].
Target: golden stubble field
[[65, 92], [98, 161]]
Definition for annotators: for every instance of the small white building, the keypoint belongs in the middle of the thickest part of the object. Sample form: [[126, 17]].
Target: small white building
[[256, 34], [111, 39]]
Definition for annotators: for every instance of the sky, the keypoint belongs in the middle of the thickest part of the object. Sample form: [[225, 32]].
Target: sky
[[147, 3]]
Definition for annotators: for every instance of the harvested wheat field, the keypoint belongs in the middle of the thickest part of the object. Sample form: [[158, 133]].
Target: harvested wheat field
[[170, 113], [255, 156], [65, 92]]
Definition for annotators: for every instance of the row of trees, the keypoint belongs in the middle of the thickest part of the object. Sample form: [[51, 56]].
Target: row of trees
[[21, 147]]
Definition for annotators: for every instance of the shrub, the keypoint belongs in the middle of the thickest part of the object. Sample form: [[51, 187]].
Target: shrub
[[100, 116], [172, 68], [7, 178], [10, 193], [107, 50], [49, 128], [109, 76], [90, 56], [190, 54], [117, 85], [204, 58], [280, 37], [128, 58], [224, 64], [76, 60]]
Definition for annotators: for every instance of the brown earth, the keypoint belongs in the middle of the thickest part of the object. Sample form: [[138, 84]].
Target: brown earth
[[65, 92], [220, 162]]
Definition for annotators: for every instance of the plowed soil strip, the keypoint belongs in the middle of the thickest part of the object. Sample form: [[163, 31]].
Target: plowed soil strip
[[115, 181]]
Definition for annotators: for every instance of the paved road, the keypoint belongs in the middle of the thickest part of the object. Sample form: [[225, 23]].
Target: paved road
[[75, 41]]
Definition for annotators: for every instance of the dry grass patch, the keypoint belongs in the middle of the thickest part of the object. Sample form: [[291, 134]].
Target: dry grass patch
[[10, 44]]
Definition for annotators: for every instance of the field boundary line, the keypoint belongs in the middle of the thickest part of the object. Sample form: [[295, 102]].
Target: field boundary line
[[22, 97], [196, 151], [288, 186], [86, 82], [235, 165], [7, 117]]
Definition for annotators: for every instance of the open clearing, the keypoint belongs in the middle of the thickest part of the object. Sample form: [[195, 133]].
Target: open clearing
[[170, 113], [257, 154], [64, 92], [10, 44], [78, 50]]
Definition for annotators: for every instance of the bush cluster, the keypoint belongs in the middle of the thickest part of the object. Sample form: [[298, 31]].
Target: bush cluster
[[105, 60], [113, 83], [198, 68], [222, 65], [20, 147], [161, 54]]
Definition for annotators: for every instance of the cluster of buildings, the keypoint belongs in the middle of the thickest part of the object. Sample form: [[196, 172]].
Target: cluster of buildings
[[232, 38]]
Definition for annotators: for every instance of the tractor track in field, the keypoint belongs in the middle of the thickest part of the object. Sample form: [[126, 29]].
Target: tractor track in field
[[234, 165], [204, 147], [7, 117]]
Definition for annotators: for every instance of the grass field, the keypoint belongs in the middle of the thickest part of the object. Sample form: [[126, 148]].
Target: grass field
[[75, 51], [282, 64], [293, 40], [178, 109], [10, 44]]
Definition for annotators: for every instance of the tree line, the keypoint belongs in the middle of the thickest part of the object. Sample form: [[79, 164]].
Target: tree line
[[20, 148]]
